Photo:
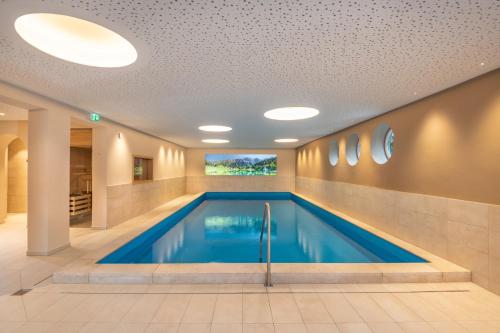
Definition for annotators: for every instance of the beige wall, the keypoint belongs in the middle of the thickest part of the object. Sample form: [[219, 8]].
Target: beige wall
[[17, 177], [196, 181], [9, 131], [446, 145], [125, 198], [112, 156], [440, 189]]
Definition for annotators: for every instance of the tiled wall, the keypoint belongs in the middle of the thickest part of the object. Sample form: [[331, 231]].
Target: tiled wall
[[130, 200], [195, 184], [464, 232]]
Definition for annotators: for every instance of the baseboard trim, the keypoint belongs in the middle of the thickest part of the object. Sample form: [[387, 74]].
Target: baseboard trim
[[48, 253]]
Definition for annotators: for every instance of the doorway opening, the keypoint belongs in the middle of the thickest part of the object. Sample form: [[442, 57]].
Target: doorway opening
[[80, 200]]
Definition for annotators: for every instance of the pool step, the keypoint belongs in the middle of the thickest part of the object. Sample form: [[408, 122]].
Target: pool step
[[85, 272]]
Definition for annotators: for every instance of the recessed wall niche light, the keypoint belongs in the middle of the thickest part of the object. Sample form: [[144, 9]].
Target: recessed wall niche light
[[75, 40], [288, 140], [214, 128], [291, 113], [215, 141]]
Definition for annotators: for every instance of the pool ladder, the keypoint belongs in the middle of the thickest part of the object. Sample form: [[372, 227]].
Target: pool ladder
[[266, 219]]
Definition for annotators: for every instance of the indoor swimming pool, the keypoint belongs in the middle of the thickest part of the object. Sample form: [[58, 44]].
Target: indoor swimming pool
[[225, 227]]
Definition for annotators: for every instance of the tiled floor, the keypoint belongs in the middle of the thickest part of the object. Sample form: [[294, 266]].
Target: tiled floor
[[384, 308]]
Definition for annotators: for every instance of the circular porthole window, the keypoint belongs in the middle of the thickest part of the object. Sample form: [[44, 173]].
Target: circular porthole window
[[382, 144], [333, 154], [353, 150]]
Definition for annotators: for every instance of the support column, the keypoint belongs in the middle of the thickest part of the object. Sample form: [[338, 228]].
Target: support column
[[3, 179], [48, 181], [99, 178]]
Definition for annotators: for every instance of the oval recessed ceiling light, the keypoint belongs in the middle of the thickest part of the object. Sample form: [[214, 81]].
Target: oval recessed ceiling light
[[215, 140], [75, 40], [286, 140], [214, 128], [291, 113]]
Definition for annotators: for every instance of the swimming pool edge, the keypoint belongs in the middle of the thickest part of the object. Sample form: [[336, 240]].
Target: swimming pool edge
[[85, 269]]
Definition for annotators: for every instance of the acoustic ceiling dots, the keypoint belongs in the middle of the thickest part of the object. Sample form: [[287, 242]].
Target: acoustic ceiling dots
[[204, 61]]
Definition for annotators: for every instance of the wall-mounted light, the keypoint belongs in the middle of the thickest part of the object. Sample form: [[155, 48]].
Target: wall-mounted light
[[2, 114], [119, 135]]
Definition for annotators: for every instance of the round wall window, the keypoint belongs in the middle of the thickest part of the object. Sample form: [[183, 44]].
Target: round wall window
[[353, 150], [382, 144], [333, 154]]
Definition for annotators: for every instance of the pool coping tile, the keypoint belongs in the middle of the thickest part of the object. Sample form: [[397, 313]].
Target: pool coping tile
[[85, 270]]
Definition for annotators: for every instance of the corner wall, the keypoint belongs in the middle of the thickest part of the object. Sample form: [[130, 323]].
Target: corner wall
[[196, 181], [126, 198], [439, 191]]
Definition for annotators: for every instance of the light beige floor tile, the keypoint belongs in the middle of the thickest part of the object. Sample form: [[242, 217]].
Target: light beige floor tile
[[447, 327], [34, 327], [256, 309], [172, 309], [322, 328], [98, 327], [417, 327], [130, 328], [385, 328], [226, 328], [162, 328], [144, 309], [394, 308], [10, 326], [60, 309], [284, 309], [446, 305], [87, 310], [228, 309], [194, 328], [290, 328], [481, 326], [339, 308], [12, 309], [200, 309], [258, 328], [423, 309], [353, 328], [117, 308], [34, 303], [312, 309], [66, 327], [366, 307]]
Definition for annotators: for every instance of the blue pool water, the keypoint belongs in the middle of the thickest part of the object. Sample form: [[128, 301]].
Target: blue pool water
[[225, 227]]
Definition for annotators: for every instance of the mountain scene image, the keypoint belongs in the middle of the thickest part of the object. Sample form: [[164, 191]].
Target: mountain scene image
[[240, 164]]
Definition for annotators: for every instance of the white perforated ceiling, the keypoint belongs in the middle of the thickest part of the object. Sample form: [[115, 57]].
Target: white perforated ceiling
[[227, 62]]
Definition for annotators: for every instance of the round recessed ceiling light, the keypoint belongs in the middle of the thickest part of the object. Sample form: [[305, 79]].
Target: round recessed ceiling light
[[214, 128], [286, 140], [291, 113], [215, 141], [75, 40]]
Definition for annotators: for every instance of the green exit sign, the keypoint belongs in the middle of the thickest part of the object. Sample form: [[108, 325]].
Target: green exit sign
[[95, 116]]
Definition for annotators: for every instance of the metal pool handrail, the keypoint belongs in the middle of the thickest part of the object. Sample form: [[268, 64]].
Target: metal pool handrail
[[266, 218]]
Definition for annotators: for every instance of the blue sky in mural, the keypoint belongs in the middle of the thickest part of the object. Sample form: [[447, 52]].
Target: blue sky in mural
[[222, 157]]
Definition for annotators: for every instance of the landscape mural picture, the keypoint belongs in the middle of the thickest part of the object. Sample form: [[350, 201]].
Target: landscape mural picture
[[240, 164]]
